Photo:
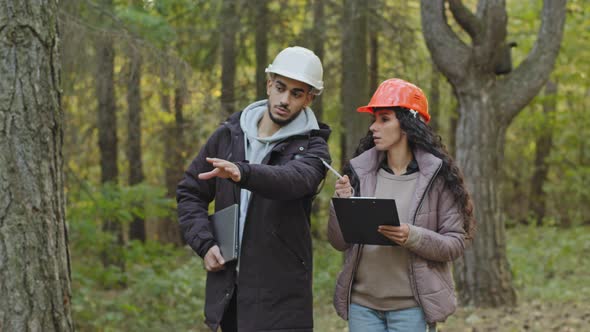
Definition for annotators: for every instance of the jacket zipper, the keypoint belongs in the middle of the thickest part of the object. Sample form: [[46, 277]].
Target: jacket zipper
[[264, 161], [290, 249], [358, 254], [413, 223], [356, 265]]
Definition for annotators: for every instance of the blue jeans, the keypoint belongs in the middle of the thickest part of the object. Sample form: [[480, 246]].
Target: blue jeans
[[363, 319]]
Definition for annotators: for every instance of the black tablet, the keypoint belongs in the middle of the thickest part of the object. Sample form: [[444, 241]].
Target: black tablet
[[359, 218], [226, 231]]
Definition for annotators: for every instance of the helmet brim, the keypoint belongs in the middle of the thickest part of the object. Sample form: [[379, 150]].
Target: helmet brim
[[371, 109], [298, 77]]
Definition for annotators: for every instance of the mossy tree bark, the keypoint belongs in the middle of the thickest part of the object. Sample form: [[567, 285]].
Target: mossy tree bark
[[34, 259]]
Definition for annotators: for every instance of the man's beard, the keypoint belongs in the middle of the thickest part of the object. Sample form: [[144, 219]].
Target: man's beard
[[280, 122]]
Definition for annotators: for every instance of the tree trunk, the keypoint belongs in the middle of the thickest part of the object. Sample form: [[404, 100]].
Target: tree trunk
[[261, 27], [107, 112], [107, 134], [486, 108], [354, 91], [453, 123], [229, 23], [584, 160], [542, 150], [35, 274], [180, 98], [483, 274], [434, 100], [318, 36], [316, 39], [168, 229], [374, 59], [137, 227], [568, 211]]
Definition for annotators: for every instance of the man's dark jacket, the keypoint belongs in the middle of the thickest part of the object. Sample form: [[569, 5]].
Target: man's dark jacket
[[275, 278]]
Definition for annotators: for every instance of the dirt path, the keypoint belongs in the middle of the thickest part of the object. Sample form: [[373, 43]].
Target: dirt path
[[528, 316]]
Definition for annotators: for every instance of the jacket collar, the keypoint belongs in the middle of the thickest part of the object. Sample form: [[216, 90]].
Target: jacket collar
[[369, 161], [367, 164], [411, 168], [233, 124]]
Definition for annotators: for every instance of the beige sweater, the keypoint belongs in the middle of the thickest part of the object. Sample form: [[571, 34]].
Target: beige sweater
[[382, 281]]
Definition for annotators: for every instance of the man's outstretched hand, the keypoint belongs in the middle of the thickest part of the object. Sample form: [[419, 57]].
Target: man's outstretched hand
[[223, 169]]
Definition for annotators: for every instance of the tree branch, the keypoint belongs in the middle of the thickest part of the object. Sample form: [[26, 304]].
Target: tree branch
[[451, 55], [494, 34], [523, 84], [467, 20]]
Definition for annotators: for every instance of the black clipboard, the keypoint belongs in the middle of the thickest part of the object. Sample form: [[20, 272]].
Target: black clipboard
[[226, 228], [359, 218]]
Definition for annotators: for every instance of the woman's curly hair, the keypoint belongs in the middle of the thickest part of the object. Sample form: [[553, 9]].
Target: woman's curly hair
[[421, 136]]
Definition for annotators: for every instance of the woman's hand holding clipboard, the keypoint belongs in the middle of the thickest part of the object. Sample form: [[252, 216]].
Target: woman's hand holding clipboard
[[398, 234]]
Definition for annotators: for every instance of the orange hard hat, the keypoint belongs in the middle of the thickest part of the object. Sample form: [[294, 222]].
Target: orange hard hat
[[397, 92]]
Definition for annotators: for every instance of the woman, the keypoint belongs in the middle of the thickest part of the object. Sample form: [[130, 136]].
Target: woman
[[407, 286]]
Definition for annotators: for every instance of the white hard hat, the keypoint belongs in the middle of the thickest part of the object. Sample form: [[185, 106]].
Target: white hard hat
[[300, 64]]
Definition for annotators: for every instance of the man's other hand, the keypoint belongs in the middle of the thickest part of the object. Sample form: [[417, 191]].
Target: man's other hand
[[213, 260]]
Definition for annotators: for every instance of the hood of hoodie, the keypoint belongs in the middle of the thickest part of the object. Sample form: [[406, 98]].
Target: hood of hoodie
[[303, 123], [258, 147]]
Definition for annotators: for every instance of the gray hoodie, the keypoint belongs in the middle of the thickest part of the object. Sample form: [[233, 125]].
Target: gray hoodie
[[257, 147]]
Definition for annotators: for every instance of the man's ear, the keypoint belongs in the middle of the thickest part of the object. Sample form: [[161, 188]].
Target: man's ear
[[310, 99], [268, 86]]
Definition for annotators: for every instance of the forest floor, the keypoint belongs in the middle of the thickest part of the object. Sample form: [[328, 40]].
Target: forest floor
[[165, 287], [526, 316]]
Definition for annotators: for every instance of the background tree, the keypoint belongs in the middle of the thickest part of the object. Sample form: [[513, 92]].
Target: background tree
[[543, 147], [229, 25], [167, 228], [434, 99], [319, 36], [34, 259], [137, 227], [355, 78], [487, 106], [373, 7], [261, 23], [107, 133]]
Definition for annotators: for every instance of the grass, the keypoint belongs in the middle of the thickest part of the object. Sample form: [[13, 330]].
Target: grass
[[551, 273], [551, 264], [165, 287]]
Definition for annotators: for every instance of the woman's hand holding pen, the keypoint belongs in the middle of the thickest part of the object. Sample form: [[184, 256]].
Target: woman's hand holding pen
[[343, 187]]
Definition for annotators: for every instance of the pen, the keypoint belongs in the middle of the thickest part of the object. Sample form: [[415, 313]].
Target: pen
[[335, 172], [331, 168]]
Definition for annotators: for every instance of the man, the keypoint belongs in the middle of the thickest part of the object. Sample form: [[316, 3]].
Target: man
[[266, 159]]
